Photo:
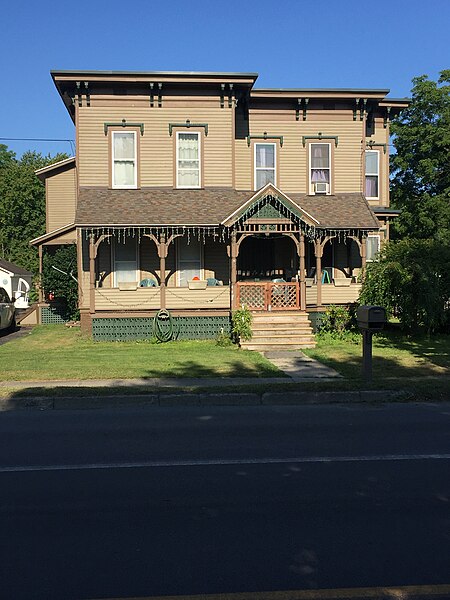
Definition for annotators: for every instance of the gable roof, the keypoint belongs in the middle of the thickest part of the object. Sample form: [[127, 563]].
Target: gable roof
[[268, 191], [12, 268], [98, 207], [67, 163]]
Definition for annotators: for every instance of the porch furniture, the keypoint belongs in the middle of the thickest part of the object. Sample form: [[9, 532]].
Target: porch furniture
[[148, 283], [211, 281]]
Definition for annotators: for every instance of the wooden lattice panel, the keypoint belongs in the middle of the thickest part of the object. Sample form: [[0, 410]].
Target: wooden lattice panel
[[284, 296], [253, 296]]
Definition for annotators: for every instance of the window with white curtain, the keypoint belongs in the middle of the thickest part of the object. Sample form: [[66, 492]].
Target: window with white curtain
[[125, 260], [372, 246], [265, 165], [320, 167], [124, 159], [372, 173], [188, 160], [189, 260]]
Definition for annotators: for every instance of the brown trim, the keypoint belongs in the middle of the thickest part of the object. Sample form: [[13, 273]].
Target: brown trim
[[277, 145], [308, 145], [80, 265], [233, 142], [137, 133], [202, 137], [46, 206]]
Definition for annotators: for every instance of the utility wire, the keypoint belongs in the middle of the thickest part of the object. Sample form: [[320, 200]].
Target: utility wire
[[71, 142]]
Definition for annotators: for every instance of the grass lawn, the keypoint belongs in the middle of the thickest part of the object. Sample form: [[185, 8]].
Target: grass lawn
[[59, 352], [418, 363]]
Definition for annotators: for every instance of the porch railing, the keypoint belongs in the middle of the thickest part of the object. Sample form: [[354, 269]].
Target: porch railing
[[266, 295]]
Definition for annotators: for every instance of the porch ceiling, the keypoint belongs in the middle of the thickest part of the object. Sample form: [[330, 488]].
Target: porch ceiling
[[210, 207]]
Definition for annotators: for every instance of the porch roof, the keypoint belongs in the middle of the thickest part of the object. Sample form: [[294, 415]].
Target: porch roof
[[209, 207]]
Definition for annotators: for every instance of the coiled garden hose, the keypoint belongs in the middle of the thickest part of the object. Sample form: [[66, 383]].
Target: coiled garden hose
[[164, 326]]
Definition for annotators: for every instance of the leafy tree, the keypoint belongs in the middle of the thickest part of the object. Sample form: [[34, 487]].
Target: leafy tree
[[22, 205], [59, 274], [421, 165], [7, 157], [412, 281]]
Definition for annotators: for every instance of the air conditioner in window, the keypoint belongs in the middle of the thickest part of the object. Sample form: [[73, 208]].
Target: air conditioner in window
[[321, 187]]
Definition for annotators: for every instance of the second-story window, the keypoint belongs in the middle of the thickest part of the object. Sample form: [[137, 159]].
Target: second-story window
[[265, 165], [320, 168], [188, 160], [124, 159], [372, 173]]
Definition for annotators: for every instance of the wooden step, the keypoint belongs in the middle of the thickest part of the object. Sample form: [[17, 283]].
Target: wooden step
[[282, 330]]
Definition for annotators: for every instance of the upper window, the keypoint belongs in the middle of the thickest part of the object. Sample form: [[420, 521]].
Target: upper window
[[372, 173], [320, 168], [188, 160], [265, 164], [124, 159], [372, 246]]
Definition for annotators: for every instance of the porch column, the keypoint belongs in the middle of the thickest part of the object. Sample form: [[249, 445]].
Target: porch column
[[40, 293], [92, 253], [233, 274], [162, 252], [363, 254], [301, 249], [318, 250]]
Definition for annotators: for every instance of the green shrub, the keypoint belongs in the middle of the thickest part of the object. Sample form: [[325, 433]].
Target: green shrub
[[223, 339], [59, 274], [411, 280], [241, 324], [337, 321]]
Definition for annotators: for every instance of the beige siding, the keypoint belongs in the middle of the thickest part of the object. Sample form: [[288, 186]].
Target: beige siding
[[61, 199], [149, 298], [333, 295], [156, 145], [293, 157]]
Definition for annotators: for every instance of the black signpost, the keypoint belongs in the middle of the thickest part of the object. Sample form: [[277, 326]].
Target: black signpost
[[370, 319]]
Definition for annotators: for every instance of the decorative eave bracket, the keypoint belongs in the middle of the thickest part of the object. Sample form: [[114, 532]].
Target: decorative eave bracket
[[361, 105], [152, 94], [79, 93], [320, 136], [123, 123], [265, 136], [387, 117], [188, 124], [230, 95], [302, 104]]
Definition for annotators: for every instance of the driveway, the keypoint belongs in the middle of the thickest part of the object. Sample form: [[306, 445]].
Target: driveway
[[7, 337]]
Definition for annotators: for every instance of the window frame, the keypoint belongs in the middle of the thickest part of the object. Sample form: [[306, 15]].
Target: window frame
[[311, 189], [378, 237], [200, 163], [113, 262], [179, 260], [377, 174], [135, 184], [274, 168]]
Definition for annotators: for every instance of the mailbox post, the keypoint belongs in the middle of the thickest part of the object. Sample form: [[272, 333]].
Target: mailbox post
[[370, 319]]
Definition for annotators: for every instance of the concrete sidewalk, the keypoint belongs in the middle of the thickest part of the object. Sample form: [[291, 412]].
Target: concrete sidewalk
[[300, 367]]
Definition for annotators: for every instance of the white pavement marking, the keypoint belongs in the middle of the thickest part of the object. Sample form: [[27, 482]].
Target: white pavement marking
[[224, 462]]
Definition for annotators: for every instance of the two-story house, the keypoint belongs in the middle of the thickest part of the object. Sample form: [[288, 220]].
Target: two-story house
[[198, 193]]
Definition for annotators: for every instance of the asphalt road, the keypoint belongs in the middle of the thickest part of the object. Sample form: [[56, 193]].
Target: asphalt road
[[99, 504]]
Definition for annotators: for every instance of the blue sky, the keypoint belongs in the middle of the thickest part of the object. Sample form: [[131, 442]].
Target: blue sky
[[331, 43]]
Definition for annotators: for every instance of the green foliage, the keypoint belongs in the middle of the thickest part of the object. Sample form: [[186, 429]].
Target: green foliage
[[411, 280], [337, 322], [63, 288], [421, 165], [241, 324], [223, 339], [22, 205]]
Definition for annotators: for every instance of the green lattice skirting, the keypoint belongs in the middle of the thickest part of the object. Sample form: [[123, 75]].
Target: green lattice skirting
[[141, 328], [53, 314]]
